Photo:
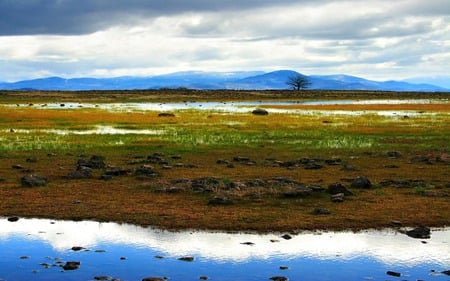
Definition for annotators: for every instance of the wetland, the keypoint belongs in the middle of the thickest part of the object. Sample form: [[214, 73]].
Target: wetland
[[185, 159]]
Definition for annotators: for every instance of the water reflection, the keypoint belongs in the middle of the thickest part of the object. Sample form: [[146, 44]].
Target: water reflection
[[221, 256]]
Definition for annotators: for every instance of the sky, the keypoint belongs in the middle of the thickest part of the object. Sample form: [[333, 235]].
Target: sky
[[374, 39]]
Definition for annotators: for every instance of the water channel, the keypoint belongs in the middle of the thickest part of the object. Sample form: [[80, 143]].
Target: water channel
[[37, 249]]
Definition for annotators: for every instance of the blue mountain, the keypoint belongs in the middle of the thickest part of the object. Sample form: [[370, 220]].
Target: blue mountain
[[253, 80]]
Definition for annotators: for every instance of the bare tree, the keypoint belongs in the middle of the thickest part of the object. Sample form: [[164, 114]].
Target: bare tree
[[298, 82]]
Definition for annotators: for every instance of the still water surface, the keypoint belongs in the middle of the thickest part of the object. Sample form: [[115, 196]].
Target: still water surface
[[35, 249]]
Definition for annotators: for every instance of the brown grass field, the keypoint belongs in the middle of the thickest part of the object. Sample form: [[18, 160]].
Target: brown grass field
[[411, 187]]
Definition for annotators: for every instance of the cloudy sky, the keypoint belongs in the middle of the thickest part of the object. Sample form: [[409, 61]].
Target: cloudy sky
[[375, 39]]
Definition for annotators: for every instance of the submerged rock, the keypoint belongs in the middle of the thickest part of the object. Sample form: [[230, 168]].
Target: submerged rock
[[71, 265], [279, 278], [155, 279], [13, 219], [188, 258], [393, 273]]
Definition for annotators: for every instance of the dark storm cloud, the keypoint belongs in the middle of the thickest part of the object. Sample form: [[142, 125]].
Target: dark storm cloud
[[72, 17]]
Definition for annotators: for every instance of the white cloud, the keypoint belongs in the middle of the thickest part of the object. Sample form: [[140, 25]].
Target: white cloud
[[375, 39]]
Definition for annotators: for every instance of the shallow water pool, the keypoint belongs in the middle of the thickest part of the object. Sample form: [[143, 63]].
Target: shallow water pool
[[36, 249]]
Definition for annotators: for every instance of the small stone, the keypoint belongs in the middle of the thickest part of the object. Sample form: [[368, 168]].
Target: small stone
[[220, 201], [393, 273], [339, 197], [166, 114], [321, 211], [155, 279], [260, 111], [336, 188], [188, 259], [284, 267], [361, 182], [33, 181], [77, 248], [286, 237], [13, 219], [279, 278], [24, 257], [71, 265], [421, 232], [103, 277], [203, 278]]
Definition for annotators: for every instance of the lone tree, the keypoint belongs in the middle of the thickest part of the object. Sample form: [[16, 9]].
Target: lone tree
[[298, 82]]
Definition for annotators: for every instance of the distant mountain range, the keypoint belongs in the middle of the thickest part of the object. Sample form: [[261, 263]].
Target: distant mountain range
[[217, 80]]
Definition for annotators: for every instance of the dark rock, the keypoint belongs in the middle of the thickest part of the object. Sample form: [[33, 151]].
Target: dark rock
[[279, 278], [71, 265], [218, 200], [338, 197], [222, 162], [174, 189], [312, 166], [241, 159], [203, 278], [13, 219], [32, 160], [103, 278], [117, 172], [348, 168], [432, 193], [33, 181], [82, 172], [77, 248], [106, 177], [260, 111], [316, 188], [95, 162], [361, 182], [446, 272], [321, 211], [155, 279], [248, 243], [166, 114], [421, 159], [333, 162], [336, 188], [24, 257], [421, 232], [145, 170], [300, 191], [17, 167], [286, 237], [393, 273], [188, 259], [396, 223], [394, 154], [284, 267]]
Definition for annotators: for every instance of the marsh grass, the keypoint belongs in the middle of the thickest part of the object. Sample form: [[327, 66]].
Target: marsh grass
[[201, 138]]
